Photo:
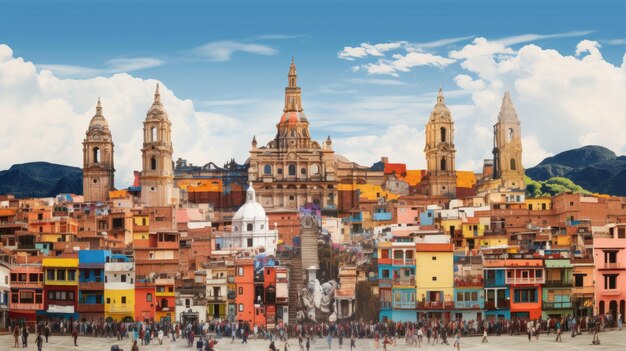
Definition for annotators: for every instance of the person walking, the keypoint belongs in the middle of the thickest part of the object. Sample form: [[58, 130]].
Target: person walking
[[558, 332], [484, 340], [25, 336], [457, 340], [75, 336], [135, 346], [596, 332], [352, 343], [16, 336], [39, 341], [46, 332], [308, 344]]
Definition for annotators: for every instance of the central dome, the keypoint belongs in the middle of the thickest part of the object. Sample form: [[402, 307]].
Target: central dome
[[251, 210]]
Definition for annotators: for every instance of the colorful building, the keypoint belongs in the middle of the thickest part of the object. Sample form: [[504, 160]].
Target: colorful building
[[434, 280], [119, 289], [525, 278], [468, 287], [497, 293], [557, 290], [165, 300], [145, 302], [91, 284], [60, 288], [27, 290], [609, 255], [244, 285]]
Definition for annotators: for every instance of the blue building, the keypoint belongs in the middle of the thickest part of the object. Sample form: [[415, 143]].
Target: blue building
[[396, 284], [469, 296], [91, 283], [497, 293]]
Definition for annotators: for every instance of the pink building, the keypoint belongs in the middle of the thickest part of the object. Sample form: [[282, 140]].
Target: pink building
[[609, 255]]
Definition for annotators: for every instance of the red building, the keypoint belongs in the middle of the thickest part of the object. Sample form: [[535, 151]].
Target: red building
[[144, 301], [525, 278], [244, 290], [26, 293]]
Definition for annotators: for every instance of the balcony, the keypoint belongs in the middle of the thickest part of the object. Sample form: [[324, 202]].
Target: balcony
[[91, 286], [492, 282], [385, 304], [382, 216], [164, 308], [610, 292], [385, 260], [612, 265], [546, 305], [25, 306], [476, 280], [403, 282], [218, 298], [384, 282], [491, 305], [558, 283], [525, 280], [404, 305], [91, 308], [403, 262], [120, 308], [475, 305], [436, 305]]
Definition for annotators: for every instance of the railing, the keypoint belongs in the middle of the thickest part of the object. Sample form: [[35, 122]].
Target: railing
[[491, 305], [435, 305], [404, 282], [385, 304], [403, 262], [216, 298], [26, 284], [556, 305], [384, 261], [610, 292], [563, 283], [384, 282], [469, 281], [404, 305], [25, 306], [528, 280], [614, 265], [382, 216], [91, 286], [467, 304]]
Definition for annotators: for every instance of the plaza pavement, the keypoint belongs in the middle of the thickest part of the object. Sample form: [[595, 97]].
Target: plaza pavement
[[611, 340]]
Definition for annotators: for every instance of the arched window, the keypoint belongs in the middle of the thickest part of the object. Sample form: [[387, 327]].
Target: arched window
[[315, 169], [249, 227], [153, 134], [303, 171], [153, 163], [267, 169], [442, 131], [509, 135], [96, 154], [443, 163], [149, 297], [292, 170], [293, 133], [513, 164]]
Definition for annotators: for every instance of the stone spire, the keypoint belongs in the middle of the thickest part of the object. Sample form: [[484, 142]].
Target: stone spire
[[507, 110], [293, 97], [98, 108], [440, 96], [98, 119], [293, 76]]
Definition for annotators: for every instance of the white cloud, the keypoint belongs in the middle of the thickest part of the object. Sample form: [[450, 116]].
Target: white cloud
[[366, 49], [404, 63], [621, 41], [48, 117], [119, 65], [563, 101], [526, 38], [221, 51]]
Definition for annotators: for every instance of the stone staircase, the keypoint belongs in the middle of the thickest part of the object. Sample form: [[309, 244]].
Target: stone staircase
[[295, 284]]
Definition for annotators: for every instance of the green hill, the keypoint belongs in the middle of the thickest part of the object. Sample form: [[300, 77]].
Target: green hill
[[41, 179]]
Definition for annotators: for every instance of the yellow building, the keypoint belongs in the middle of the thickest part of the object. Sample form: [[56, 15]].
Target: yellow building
[[60, 271], [119, 289], [434, 279], [165, 300], [538, 203]]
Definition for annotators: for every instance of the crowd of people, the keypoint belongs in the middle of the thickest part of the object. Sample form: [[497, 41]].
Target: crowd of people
[[205, 335]]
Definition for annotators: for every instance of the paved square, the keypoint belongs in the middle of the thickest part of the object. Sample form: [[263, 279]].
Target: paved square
[[612, 340]]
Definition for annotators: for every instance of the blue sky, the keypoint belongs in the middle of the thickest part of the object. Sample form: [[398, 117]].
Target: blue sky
[[230, 58]]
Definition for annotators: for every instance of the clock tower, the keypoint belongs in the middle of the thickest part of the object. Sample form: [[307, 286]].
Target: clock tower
[[98, 169]]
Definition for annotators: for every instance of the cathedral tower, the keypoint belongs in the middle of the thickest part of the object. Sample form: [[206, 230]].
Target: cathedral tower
[[157, 175], [507, 152], [440, 179], [293, 129], [98, 170]]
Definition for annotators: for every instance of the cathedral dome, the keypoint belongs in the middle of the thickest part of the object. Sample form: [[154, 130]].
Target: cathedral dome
[[292, 118], [98, 120], [251, 210], [156, 111]]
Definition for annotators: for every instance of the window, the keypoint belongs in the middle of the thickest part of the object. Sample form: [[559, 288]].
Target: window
[[240, 271], [108, 300], [510, 135], [443, 134], [443, 164], [123, 278], [279, 170], [385, 273], [434, 258], [96, 154], [434, 279], [123, 299], [303, 171], [267, 169], [153, 163], [526, 295], [71, 275], [153, 134], [610, 256], [50, 274], [149, 297], [513, 164], [249, 227], [610, 281], [240, 307], [292, 170], [249, 242], [61, 274]]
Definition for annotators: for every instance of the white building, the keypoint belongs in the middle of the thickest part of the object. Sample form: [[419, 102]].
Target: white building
[[250, 228]]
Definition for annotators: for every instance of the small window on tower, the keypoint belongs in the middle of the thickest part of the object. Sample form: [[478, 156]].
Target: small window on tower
[[513, 164], [95, 180], [443, 163], [443, 134], [96, 154], [153, 134], [153, 163]]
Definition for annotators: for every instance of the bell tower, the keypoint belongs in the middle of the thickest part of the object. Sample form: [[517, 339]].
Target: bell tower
[[157, 175], [292, 132], [98, 169], [507, 152], [440, 178]]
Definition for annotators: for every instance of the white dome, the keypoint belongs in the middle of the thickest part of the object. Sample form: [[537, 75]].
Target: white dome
[[251, 210]]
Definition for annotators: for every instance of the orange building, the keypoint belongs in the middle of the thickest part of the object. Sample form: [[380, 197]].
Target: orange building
[[144, 301], [525, 278], [244, 282]]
